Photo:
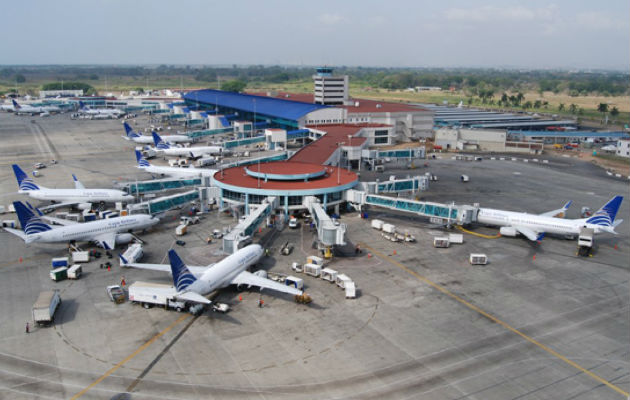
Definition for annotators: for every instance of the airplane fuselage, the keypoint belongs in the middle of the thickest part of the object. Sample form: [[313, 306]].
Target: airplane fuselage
[[79, 195], [180, 172], [144, 139]]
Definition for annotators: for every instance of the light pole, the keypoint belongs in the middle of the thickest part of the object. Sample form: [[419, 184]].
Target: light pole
[[348, 158], [339, 162]]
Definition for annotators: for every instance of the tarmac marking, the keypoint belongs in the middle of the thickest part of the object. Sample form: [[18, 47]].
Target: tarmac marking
[[498, 235], [498, 321], [130, 357]]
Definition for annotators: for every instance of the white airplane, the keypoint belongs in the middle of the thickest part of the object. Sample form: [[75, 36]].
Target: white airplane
[[191, 152], [194, 282], [176, 172], [100, 112], [105, 232], [534, 227], [79, 196], [610, 148], [7, 107], [29, 109], [145, 139]]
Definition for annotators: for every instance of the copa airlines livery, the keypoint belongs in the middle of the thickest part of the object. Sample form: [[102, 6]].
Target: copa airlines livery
[[194, 282], [176, 172], [29, 109], [136, 137], [191, 152], [77, 196], [105, 233], [108, 112], [534, 227]]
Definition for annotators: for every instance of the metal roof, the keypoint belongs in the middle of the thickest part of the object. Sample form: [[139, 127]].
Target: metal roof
[[270, 106], [531, 123], [575, 134]]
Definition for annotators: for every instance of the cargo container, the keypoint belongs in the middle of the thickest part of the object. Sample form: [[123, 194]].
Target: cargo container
[[351, 290], [9, 223], [464, 178], [315, 260], [478, 259], [59, 274], [80, 256], [377, 224], [60, 262], [75, 271], [441, 242], [342, 280], [456, 238], [207, 161], [73, 217], [389, 228], [181, 229], [133, 254], [88, 217], [312, 270], [295, 282], [297, 267], [45, 307], [329, 275]]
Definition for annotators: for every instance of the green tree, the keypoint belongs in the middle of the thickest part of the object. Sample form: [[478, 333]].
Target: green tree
[[233, 86], [573, 108], [19, 78], [537, 104], [519, 97], [614, 112], [527, 105], [602, 108], [560, 106]]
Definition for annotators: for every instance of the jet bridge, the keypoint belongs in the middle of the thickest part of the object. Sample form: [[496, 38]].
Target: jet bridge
[[329, 233], [241, 234], [166, 203], [436, 212], [161, 185]]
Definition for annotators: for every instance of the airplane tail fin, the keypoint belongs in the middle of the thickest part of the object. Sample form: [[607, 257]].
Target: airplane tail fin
[[15, 104], [182, 277], [30, 222], [77, 183], [159, 142], [129, 131], [82, 106], [605, 216], [142, 162], [24, 182]]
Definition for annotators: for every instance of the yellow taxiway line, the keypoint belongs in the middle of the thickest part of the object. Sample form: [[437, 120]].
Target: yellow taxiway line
[[498, 235], [129, 357], [498, 321]]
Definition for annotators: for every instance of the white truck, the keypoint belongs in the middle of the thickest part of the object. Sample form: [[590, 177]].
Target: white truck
[[45, 307], [585, 241], [145, 294]]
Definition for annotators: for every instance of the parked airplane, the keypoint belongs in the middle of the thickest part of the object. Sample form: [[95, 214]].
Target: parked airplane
[[176, 172], [534, 227], [105, 232], [29, 109], [145, 139], [79, 196], [193, 283], [192, 152], [100, 112]]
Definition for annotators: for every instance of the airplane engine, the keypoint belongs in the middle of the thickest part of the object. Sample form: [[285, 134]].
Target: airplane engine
[[124, 238], [508, 231], [262, 273], [84, 206]]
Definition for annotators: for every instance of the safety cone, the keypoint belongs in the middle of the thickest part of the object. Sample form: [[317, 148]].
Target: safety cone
[[394, 252], [259, 230], [615, 249], [369, 255], [240, 298], [534, 257], [20, 260]]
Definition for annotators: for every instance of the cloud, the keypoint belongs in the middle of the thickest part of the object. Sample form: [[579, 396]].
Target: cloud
[[498, 14], [331, 19], [598, 21]]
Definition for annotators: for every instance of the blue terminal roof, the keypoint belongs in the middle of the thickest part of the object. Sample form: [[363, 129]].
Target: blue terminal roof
[[274, 107]]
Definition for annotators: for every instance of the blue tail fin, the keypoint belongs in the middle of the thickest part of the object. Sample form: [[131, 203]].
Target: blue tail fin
[[24, 182], [129, 131], [182, 277], [142, 162], [605, 216], [16, 105], [159, 143], [82, 105], [30, 222]]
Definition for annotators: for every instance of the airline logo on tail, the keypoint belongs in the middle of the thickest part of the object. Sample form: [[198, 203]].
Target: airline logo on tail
[[24, 182], [82, 106], [16, 105], [142, 162], [182, 278], [159, 143], [31, 223], [129, 131], [605, 216]]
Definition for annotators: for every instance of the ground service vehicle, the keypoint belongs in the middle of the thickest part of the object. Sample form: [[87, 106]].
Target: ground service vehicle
[[45, 307]]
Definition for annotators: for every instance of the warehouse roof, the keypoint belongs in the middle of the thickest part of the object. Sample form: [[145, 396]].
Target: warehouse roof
[[270, 106]]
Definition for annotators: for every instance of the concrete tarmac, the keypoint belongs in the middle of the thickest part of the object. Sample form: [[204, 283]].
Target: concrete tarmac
[[537, 322]]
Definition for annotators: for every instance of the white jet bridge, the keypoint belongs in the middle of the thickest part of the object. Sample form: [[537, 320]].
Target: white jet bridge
[[242, 233], [329, 233]]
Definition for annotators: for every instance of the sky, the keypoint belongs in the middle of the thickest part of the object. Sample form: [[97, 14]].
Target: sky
[[568, 34]]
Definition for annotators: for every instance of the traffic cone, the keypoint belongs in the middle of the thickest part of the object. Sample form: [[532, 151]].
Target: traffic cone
[[534, 257], [240, 298], [615, 249], [259, 230], [369, 255], [20, 260], [394, 252]]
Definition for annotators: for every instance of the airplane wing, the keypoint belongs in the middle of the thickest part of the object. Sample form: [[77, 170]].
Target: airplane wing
[[57, 205], [16, 232], [59, 221], [247, 278], [559, 213], [197, 271], [107, 240], [192, 296], [529, 233]]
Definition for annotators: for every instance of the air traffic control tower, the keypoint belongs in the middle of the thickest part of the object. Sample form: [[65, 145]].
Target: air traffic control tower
[[329, 89]]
